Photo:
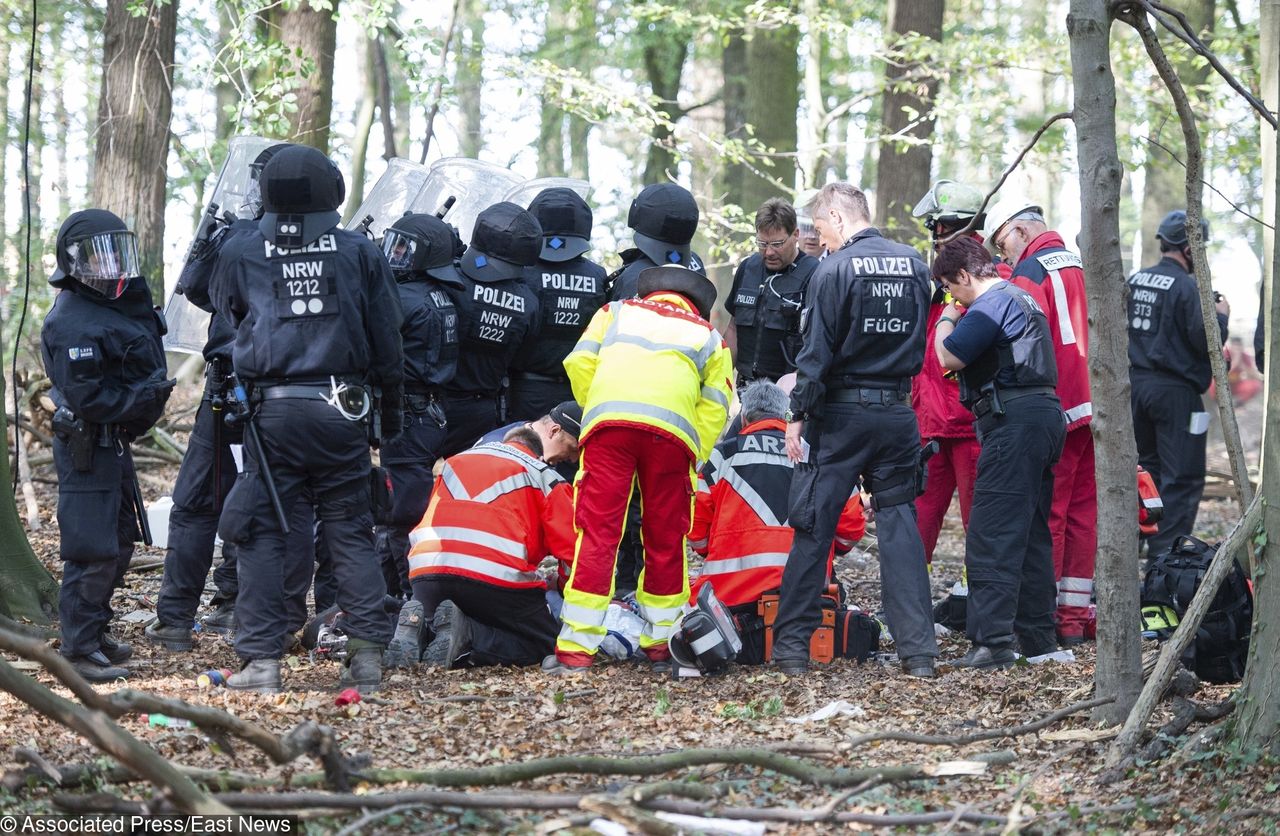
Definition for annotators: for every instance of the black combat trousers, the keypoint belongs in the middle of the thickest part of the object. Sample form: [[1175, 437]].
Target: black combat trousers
[[205, 478], [881, 444], [1170, 427], [96, 526], [532, 396], [408, 459], [1008, 547], [508, 626], [469, 416], [317, 455]]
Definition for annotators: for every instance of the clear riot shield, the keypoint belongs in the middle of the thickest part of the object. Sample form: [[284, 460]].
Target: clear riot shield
[[390, 197], [477, 186], [523, 194], [229, 199]]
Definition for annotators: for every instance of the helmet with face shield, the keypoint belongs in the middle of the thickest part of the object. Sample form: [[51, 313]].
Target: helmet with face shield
[[98, 251]]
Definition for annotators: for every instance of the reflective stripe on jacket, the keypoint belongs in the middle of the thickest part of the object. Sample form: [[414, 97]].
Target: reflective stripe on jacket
[[495, 512], [1054, 277], [740, 515], [653, 363]]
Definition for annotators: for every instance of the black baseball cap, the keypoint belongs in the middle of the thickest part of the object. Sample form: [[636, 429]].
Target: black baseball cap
[[569, 416], [506, 239], [566, 223], [665, 218]]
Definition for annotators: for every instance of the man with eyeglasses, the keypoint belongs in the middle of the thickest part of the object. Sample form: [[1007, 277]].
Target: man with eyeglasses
[[767, 295], [1053, 275]]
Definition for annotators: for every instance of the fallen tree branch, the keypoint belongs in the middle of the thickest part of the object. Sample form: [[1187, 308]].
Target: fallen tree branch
[[1127, 742], [307, 738], [1186, 711], [973, 222], [985, 734], [103, 733]]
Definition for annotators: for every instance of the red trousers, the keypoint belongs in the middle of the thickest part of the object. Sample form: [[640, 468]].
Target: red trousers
[[955, 465], [613, 459], [1073, 522]]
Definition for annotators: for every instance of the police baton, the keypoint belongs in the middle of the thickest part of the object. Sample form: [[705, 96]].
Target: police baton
[[448, 204], [241, 413], [144, 525]]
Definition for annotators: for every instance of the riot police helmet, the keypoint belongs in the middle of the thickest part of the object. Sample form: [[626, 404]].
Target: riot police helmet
[[420, 244], [949, 205], [1173, 229], [301, 192], [673, 278], [253, 197], [665, 218], [566, 223], [506, 239], [97, 250]]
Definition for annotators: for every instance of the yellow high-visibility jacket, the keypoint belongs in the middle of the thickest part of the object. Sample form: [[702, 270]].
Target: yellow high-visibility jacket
[[653, 363]]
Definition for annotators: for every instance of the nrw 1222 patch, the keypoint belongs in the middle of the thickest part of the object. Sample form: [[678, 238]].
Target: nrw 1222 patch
[[80, 353]]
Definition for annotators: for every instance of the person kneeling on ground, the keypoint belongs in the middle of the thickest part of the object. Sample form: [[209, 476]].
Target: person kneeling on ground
[[557, 430], [740, 517], [494, 513]]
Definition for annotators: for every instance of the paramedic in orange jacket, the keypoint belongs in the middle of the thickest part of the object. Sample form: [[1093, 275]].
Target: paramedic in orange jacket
[[495, 512], [740, 514], [654, 381]]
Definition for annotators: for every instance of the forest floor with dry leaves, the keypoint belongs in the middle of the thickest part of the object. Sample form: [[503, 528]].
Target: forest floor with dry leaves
[[429, 718]]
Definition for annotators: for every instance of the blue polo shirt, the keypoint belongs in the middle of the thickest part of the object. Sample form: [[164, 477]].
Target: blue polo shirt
[[994, 319]]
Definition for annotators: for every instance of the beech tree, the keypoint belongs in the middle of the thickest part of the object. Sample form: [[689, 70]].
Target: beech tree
[[131, 149]]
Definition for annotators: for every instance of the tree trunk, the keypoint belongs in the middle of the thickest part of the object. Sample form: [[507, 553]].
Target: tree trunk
[[310, 34], [33, 221], [27, 591], [773, 98], [363, 127], [1119, 666], [469, 78], [733, 66], [1258, 715], [585, 56], [226, 96], [1164, 180], [6, 135], [664, 55], [551, 132], [132, 142], [903, 171], [61, 125]]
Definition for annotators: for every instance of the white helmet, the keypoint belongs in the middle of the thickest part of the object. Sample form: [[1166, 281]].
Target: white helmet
[[1005, 210]]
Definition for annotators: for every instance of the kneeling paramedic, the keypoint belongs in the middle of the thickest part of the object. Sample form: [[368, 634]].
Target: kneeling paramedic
[[740, 517], [318, 322], [653, 378], [102, 351], [495, 512], [1003, 351]]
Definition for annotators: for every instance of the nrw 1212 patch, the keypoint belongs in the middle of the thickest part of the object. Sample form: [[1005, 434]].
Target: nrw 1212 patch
[[81, 353]]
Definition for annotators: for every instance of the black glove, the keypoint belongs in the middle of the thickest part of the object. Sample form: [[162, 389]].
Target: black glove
[[458, 246]]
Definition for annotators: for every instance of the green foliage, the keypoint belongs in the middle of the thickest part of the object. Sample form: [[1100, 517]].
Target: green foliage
[[662, 702]]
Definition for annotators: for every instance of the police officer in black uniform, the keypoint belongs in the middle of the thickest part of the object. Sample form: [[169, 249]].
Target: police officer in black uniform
[[496, 310], [419, 248], [1003, 350], [1169, 367], [318, 328], [767, 295], [101, 346], [570, 289], [664, 217], [851, 418], [208, 469]]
